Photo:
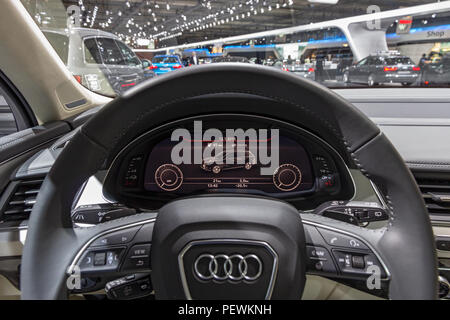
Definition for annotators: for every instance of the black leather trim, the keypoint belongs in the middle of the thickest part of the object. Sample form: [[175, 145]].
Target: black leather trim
[[408, 246]]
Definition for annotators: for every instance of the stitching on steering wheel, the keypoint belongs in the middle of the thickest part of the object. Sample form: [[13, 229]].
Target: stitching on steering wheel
[[388, 199]]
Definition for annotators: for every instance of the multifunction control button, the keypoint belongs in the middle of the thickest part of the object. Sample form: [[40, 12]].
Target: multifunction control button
[[319, 260], [341, 240], [138, 258], [358, 263], [106, 260], [120, 237], [127, 249], [100, 259], [332, 253]]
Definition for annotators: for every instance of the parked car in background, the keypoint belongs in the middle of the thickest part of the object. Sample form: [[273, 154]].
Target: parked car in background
[[147, 66], [383, 68], [166, 63], [437, 73], [230, 59], [99, 60], [303, 70]]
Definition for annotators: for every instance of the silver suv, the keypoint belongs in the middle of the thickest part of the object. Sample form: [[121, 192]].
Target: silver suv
[[99, 60]]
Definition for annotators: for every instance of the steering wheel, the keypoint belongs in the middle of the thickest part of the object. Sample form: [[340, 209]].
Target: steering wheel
[[266, 235]]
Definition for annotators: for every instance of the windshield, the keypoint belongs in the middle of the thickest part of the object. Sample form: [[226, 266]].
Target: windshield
[[338, 43]]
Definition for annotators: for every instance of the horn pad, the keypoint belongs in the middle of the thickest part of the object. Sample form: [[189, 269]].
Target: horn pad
[[225, 247]]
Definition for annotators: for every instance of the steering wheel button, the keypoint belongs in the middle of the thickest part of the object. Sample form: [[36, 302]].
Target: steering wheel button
[[87, 261], [138, 258], [100, 259], [136, 264], [339, 240], [358, 262], [142, 250], [120, 237], [319, 260]]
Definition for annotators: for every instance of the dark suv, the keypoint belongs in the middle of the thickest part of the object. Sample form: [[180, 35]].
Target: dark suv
[[437, 73], [376, 69]]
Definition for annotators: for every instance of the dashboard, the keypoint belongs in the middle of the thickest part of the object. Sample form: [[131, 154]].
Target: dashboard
[[283, 162], [389, 115]]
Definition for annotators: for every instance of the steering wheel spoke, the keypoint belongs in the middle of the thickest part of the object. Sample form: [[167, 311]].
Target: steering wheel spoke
[[346, 253], [113, 250]]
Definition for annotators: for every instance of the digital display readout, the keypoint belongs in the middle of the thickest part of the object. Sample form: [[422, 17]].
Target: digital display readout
[[229, 171]]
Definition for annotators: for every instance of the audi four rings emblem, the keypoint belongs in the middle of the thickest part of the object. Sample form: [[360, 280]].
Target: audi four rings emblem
[[222, 267]]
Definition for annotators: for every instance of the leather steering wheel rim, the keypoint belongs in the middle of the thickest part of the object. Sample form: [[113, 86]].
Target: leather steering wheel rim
[[406, 245]]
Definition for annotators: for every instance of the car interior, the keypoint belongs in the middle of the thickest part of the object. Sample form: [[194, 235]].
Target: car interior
[[226, 173]]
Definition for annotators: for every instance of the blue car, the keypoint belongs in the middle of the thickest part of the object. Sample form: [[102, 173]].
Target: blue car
[[165, 63]]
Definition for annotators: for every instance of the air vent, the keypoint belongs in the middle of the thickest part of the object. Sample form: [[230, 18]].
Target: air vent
[[21, 199], [436, 193]]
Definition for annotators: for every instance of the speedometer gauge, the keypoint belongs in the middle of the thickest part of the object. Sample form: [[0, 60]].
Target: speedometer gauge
[[287, 177], [169, 177]]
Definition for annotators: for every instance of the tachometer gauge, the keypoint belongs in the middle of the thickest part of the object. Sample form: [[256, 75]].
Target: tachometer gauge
[[287, 177], [169, 177]]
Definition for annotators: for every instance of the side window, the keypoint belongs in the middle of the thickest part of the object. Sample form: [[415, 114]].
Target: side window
[[110, 52], [60, 43], [91, 52], [15, 114], [130, 57], [7, 121], [362, 62]]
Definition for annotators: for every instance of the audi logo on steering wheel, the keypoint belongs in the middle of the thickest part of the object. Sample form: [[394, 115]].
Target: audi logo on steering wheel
[[223, 267]]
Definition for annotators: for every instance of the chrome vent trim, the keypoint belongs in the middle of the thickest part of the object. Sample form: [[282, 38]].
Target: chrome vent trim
[[436, 194], [20, 199]]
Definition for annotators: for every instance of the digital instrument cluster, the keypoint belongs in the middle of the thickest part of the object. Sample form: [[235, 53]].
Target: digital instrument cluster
[[294, 165], [236, 169]]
